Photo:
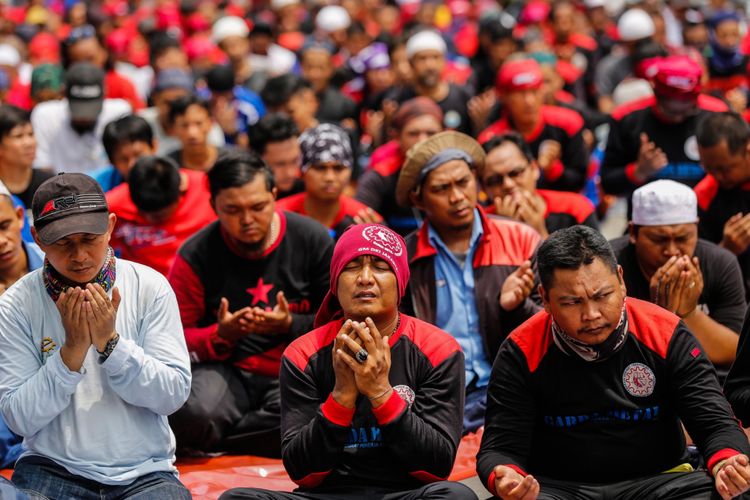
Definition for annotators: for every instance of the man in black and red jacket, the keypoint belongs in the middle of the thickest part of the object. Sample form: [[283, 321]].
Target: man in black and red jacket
[[587, 398], [724, 194], [654, 137], [554, 134], [371, 400], [509, 178], [246, 285], [471, 273]]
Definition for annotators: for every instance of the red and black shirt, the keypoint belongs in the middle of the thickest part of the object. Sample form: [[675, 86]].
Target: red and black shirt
[[552, 414], [207, 269], [558, 124], [409, 440], [676, 140], [348, 208]]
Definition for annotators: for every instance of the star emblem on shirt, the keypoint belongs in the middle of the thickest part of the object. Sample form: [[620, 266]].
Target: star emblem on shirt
[[260, 292]]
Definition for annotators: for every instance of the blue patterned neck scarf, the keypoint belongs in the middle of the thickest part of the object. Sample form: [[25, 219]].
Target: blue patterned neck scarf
[[56, 283]]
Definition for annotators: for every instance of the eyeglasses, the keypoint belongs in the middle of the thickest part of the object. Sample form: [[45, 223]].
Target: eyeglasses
[[80, 33], [499, 179]]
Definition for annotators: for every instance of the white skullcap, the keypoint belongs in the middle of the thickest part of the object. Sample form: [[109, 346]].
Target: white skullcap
[[425, 40], [280, 4], [635, 24], [9, 56], [592, 4], [630, 90], [332, 18], [229, 26], [664, 202]]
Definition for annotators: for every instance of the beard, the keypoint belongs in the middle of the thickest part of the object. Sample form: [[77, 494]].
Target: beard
[[83, 127], [429, 79]]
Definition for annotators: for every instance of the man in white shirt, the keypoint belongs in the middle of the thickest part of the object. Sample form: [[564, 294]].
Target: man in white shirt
[[69, 131], [93, 357]]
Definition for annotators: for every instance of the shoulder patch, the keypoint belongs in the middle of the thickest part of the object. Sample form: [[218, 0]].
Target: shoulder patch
[[623, 110], [573, 204], [506, 242], [567, 119], [710, 103], [303, 348], [651, 325], [533, 337], [436, 344], [706, 191]]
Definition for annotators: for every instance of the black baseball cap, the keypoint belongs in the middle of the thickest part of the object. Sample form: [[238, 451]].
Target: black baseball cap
[[69, 204], [84, 89]]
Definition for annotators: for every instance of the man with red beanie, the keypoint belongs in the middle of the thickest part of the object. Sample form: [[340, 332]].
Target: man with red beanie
[[553, 133], [372, 394], [416, 120], [654, 138]]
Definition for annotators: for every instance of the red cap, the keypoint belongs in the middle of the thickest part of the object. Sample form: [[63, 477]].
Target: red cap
[[44, 48], [520, 74], [677, 76]]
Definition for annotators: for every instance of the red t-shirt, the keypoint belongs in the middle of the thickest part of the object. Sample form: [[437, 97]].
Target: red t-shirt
[[348, 208], [117, 86], [138, 240]]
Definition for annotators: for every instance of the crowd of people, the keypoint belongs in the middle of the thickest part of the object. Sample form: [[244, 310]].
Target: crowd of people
[[348, 233]]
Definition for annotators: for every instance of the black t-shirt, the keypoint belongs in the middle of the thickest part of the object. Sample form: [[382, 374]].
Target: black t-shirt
[[723, 297], [38, 176]]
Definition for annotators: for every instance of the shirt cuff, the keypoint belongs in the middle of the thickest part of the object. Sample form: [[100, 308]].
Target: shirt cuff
[[120, 354], [66, 378], [491, 479], [213, 354], [336, 413], [720, 455], [630, 174], [390, 410], [555, 171]]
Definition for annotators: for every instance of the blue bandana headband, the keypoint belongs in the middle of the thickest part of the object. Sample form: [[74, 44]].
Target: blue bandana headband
[[442, 158]]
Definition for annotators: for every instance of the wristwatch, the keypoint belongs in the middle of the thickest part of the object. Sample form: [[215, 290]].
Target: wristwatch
[[108, 348]]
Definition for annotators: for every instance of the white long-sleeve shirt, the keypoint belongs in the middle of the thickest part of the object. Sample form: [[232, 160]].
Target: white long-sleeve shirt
[[107, 422]]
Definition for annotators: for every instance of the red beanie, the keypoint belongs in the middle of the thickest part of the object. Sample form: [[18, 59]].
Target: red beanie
[[358, 240]]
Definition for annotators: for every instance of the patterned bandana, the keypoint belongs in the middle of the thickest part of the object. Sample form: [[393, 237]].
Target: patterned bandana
[[588, 352], [325, 143], [56, 283]]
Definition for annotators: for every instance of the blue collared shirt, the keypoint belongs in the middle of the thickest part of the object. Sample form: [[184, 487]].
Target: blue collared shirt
[[456, 303]]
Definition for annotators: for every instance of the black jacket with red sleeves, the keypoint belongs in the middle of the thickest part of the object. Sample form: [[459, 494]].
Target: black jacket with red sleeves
[[503, 247], [409, 440], [555, 415]]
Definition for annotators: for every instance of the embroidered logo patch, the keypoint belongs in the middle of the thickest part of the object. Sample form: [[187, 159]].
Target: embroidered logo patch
[[48, 347], [385, 240], [638, 380], [406, 393]]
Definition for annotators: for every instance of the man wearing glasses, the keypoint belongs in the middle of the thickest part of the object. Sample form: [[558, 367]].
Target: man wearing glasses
[[509, 177]]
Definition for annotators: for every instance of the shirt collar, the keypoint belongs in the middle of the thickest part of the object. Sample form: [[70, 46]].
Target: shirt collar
[[477, 231]]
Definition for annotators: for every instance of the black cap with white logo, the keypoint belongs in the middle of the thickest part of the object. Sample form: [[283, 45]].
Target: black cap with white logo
[[69, 204], [84, 88]]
